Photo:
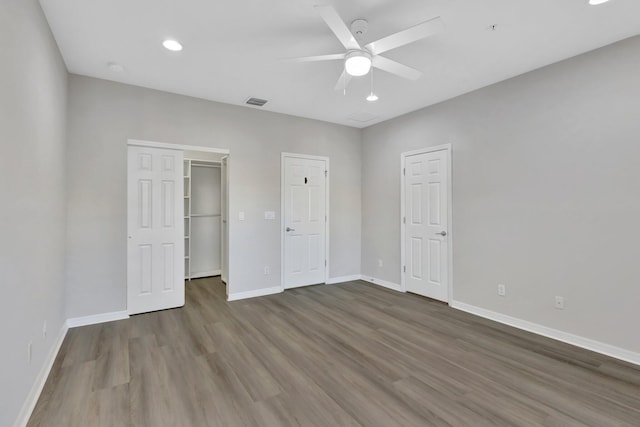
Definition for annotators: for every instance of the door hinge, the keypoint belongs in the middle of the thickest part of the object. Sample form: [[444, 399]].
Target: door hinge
[[325, 218], [404, 219], [404, 268], [325, 174], [325, 262], [404, 171]]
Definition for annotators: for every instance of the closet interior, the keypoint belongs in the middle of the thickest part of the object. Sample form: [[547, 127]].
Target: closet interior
[[203, 221]]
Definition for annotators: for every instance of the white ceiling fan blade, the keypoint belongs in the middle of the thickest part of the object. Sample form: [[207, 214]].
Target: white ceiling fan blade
[[396, 68], [410, 35], [316, 58], [337, 25], [343, 81]]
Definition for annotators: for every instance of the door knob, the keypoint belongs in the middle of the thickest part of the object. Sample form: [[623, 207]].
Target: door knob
[[291, 229], [442, 233]]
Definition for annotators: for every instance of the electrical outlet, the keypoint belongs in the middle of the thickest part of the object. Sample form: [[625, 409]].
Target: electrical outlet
[[29, 351], [44, 329], [502, 290], [379, 263], [559, 303], [266, 270]]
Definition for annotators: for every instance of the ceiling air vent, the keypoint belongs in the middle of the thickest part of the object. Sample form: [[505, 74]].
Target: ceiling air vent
[[256, 101]]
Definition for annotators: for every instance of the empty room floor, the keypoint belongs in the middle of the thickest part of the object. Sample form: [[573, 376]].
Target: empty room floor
[[351, 354]]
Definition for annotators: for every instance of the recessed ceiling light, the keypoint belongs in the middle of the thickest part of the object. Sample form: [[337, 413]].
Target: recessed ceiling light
[[372, 97], [172, 45], [597, 2], [115, 67]]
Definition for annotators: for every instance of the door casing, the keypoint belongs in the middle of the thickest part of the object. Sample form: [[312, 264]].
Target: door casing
[[282, 208], [403, 208]]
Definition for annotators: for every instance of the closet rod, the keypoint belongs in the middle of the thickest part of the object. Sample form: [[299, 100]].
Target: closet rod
[[195, 165], [204, 215]]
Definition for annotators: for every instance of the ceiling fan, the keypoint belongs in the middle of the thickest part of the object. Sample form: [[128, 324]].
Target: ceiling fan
[[358, 60]]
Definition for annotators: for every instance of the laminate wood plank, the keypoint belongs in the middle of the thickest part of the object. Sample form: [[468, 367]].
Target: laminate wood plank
[[109, 407], [68, 402], [112, 356], [351, 354], [152, 396]]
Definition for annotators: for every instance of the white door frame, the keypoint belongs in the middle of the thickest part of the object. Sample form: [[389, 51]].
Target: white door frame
[[282, 207], [403, 158], [154, 144]]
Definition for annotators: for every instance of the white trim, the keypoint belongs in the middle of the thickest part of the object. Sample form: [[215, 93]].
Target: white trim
[[253, 294], [169, 146], [34, 394], [383, 283], [326, 209], [403, 157], [586, 343], [342, 279], [97, 318], [205, 274]]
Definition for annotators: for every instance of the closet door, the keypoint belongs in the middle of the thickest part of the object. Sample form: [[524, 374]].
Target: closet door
[[155, 249], [224, 226], [205, 221]]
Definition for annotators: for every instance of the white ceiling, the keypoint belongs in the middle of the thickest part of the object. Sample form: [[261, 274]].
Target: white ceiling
[[232, 47]]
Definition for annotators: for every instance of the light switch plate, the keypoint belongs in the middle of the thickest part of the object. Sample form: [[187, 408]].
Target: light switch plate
[[241, 216], [269, 215]]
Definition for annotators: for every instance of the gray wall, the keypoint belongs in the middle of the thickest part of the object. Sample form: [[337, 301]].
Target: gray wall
[[103, 115], [33, 88], [546, 193]]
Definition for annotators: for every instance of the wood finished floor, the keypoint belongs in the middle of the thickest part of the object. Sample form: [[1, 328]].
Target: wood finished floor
[[332, 355]]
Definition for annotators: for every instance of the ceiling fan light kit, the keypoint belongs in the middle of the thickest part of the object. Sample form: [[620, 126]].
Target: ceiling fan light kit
[[357, 63]]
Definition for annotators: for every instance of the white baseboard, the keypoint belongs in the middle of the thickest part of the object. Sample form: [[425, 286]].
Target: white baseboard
[[578, 341], [206, 274], [342, 279], [41, 379], [252, 294], [97, 318], [383, 283]]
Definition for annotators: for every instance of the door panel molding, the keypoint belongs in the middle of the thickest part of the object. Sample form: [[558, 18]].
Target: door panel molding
[[405, 215], [283, 225]]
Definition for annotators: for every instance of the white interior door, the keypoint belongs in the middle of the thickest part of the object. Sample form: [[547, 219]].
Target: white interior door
[[155, 250], [304, 221], [224, 232], [426, 218]]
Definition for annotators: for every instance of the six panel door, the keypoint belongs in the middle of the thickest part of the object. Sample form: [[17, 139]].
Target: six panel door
[[426, 219], [155, 250], [304, 221]]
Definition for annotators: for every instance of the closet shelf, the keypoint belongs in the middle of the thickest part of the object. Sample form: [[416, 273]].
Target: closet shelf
[[205, 215]]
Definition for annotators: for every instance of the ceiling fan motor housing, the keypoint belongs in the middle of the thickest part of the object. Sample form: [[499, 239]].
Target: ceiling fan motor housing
[[359, 28]]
